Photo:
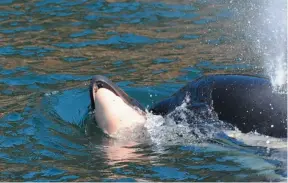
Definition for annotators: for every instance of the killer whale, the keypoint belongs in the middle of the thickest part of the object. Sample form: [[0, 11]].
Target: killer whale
[[246, 102]]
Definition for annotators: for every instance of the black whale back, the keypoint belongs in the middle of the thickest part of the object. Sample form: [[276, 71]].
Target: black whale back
[[246, 102]]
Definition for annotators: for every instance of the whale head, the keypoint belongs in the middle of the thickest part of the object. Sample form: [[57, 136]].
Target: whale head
[[113, 108]]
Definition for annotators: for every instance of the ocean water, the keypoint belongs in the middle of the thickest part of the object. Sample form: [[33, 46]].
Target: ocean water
[[50, 49]]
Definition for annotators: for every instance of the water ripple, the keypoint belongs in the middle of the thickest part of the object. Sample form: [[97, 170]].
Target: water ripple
[[118, 40], [27, 51], [8, 142], [32, 78], [22, 29], [81, 34]]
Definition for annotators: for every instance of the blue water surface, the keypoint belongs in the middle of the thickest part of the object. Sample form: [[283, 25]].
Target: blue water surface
[[49, 51]]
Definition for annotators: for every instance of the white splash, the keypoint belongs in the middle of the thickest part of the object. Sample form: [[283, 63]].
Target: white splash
[[166, 131], [277, 71], [182, 126]]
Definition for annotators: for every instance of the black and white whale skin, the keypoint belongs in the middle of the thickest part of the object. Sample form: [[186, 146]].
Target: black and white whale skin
[[246, 102]]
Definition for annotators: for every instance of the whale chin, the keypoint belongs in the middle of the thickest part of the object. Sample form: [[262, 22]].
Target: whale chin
[[114, 110]]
